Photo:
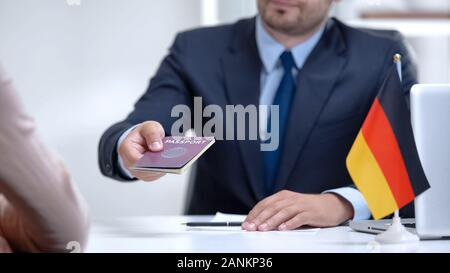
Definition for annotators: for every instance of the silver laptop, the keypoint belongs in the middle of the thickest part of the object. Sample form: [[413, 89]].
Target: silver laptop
[[430, 114]]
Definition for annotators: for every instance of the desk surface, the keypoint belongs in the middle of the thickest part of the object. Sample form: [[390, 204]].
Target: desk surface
[[167, 234]]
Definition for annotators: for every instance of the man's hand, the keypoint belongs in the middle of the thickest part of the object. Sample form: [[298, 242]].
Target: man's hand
[[147, 136], [287, 210]]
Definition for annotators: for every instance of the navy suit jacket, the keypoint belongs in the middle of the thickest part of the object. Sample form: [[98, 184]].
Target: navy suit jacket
[[335, 90]]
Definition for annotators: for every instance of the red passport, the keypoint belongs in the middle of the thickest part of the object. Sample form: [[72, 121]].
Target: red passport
[[178, 153]]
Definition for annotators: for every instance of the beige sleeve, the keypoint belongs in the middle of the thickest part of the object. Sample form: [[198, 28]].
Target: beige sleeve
[[40, 210]]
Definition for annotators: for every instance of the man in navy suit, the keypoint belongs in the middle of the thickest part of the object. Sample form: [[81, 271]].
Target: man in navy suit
[[323, 75]]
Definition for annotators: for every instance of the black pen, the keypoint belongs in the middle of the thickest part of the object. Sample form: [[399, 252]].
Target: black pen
[[213, 224]]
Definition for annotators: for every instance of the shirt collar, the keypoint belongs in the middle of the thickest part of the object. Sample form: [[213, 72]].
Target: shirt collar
[[270, 49]]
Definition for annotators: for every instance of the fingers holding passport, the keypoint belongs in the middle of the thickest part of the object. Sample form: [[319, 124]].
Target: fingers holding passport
[[145, 137], [153, 133]]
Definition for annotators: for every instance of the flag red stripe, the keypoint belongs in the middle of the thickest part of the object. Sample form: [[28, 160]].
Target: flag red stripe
[[380, 137]]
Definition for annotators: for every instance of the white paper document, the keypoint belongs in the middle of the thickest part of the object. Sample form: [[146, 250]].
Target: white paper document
[[226, 217]]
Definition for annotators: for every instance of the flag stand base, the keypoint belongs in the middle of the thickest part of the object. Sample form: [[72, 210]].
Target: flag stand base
[[396, 234]]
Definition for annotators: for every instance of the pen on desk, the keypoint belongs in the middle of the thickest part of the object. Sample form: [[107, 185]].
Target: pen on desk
[[213, 224]]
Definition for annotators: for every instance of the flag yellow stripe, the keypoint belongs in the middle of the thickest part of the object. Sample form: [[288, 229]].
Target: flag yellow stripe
[[369, 179]]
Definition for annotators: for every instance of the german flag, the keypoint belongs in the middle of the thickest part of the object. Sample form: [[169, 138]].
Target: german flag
[[383, 161]]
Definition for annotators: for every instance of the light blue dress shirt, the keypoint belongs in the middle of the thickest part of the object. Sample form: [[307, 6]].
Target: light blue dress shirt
[[270, 51]]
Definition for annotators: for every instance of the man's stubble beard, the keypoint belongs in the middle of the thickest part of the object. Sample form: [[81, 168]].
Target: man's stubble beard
[[293, 27]]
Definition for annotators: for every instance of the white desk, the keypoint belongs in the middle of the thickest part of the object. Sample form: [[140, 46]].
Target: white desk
[[166, 234]]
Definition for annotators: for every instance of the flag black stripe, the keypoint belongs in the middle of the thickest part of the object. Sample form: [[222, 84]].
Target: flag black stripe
[[393, 101]]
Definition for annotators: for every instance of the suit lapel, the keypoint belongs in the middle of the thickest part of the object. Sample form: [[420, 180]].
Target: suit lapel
[[242, 68], [315, 84]]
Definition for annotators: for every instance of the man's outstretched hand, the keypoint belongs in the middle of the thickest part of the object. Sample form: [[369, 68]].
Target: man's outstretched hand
[[147, 136]]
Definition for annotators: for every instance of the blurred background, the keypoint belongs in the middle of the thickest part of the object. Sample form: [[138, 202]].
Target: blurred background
[[79, 66]]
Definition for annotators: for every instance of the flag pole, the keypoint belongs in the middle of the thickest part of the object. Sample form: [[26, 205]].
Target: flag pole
[[397, 233], [398, 65]]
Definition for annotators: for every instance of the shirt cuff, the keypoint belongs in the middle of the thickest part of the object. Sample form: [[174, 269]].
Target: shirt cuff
[[352, 195], [124, 171]]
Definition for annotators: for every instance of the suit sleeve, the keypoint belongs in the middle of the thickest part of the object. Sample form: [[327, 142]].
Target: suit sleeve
[[40, 209], [168, 88]]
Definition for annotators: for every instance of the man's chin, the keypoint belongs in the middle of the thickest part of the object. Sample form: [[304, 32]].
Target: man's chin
[[281, 21]]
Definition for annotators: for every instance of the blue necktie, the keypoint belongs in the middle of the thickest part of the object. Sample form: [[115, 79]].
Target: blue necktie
[[283, 98]]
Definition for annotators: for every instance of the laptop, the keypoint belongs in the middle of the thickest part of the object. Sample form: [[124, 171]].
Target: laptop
[[430, 117]]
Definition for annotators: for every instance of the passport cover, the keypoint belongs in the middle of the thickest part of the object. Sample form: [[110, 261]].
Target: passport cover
[[177, 154]]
